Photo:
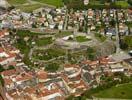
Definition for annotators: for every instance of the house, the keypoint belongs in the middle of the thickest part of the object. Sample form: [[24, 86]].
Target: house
[[72, 70], [90, 14], [72, 79], [6, 57], [128, 63], [117, 67], [8, 82], [111, 31], [86, 2], [42, 76], [37, 92], [4, 33]]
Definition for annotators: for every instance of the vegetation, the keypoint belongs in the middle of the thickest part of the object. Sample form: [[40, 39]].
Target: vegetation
[[16, 2], [1, 81], [29, 8], [126, 43], [119, 91], [110, 88], [56, 3], [1, 68], [100, 37], [52, 67], [121, 4], [11, 67], [63, 34], [48, 54], [130, 2], [82, 39], [44, 41], [96, 4], [24, 33], [90, 53], [24, 46], [129, 24]]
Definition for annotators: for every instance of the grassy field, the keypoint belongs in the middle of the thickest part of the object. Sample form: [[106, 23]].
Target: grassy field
[[29, 8], [122, 4], [56, 3], [44, 41], [82, 39], [63, 34], [122, 91], [16, 2]]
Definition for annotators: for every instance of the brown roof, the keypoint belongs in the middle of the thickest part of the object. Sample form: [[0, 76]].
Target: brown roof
[[24, 77], [70, 65], [42, 74], [9, 72], [7, 81]]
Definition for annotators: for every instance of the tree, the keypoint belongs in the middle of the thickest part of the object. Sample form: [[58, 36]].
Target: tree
[[1, 68], [1, 80], [11, 67], [34, 25], [128, 41], [112, 23], [52, 67], [90, 53], [130, 2]]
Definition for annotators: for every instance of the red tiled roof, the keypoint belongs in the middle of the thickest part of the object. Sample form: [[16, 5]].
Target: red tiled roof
[[42, 74], [86, 62], [1, 34], [5, 58], [70, 65], [24, 77], [9, 72], [1, 50], [7, 81]]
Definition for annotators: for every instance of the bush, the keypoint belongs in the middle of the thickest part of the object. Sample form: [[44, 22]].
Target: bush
[[100, 37], [52, 67], [1, 68], [90, 53]]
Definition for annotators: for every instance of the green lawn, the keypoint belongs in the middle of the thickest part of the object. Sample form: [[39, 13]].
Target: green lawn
[[24, 33], [122, 91], [122, 4], [56, 3], [16, 2], [129, 24], [82, 39], [44, 41], [29, 8], [63, 34]]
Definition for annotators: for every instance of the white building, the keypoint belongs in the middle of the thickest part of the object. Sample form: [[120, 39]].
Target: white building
[[86, 2]]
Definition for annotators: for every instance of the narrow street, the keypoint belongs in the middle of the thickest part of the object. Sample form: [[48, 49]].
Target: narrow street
[[117, 33]]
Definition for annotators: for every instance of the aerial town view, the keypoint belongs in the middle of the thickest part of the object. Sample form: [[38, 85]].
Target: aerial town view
[[65, 49]]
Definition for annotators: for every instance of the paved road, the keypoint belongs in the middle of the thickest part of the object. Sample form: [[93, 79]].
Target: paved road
[[66, 20], [117, 33]]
